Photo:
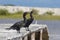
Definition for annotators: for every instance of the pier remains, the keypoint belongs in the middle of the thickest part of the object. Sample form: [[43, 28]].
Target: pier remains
[[38, 32]]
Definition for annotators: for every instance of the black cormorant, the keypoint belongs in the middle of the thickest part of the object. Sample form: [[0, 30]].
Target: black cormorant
[[19, 24], [29, 21], [24, 23]]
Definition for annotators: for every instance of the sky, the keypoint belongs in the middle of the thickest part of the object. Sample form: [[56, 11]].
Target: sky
[[33, 3]]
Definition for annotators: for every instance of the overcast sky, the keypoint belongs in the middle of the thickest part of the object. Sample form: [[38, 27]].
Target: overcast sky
[[35, 3]]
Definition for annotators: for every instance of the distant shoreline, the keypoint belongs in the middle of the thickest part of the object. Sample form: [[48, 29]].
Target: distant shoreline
[[37, 17], [41, 10]]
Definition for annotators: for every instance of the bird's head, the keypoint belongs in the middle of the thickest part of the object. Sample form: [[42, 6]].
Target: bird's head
[[32, 12], [25, 13]]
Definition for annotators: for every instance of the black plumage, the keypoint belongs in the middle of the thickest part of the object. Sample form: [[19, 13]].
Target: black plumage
[[19, 24], [29, 21], [24, 23]]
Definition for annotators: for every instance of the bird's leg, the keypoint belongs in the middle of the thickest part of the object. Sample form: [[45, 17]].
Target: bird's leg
[[27, 29]]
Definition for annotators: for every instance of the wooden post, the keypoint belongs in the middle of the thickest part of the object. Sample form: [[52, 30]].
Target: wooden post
[[33, 36], [41, 34], [37, 35], [22, 38], [25, 37], [29, 36]]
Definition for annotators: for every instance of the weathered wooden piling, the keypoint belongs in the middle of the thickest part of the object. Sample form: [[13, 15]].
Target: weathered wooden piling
[[38, 32]]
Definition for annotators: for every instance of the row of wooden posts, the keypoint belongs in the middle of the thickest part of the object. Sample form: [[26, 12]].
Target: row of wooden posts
[[38, 32], [36, 35]]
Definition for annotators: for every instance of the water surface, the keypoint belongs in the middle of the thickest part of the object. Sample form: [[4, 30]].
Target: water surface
[[53, 26]]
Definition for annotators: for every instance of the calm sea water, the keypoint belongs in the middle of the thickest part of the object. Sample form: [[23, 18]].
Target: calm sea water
[[53, 26]]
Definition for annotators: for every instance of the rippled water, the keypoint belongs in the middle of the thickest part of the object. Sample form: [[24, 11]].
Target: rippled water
[[53, 27]]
